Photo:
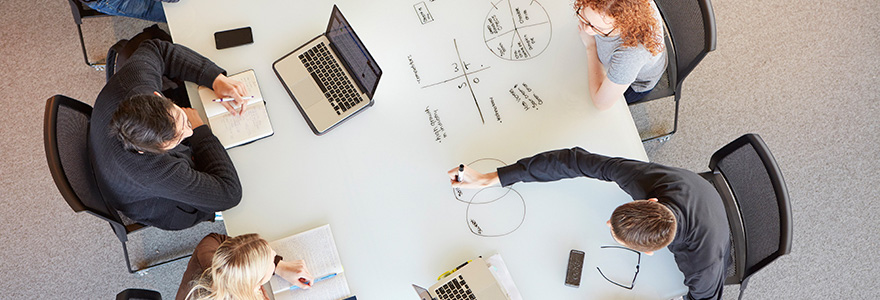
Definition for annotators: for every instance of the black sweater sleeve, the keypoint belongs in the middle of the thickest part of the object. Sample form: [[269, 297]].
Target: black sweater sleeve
[[577, 162], [155, 58]]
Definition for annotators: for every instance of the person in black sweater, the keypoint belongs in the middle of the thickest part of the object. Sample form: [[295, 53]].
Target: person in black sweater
[[681, 211], [154, 161]]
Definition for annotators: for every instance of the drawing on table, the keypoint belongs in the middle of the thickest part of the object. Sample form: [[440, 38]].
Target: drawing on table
[[517, 29], [491, 211], [464, 76]]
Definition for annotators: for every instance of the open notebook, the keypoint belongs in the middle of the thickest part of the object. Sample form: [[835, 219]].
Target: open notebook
[[237, 130], [318, 249]]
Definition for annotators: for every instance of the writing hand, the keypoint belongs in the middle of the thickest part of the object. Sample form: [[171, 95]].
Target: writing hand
[[296, 273], [225, 87], [472, 179]]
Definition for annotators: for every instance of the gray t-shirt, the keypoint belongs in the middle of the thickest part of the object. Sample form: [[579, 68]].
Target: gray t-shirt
[[634, 66]]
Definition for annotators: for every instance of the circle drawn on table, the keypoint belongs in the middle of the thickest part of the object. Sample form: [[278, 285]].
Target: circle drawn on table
[[498, 218], [486, 195], [517, 29], [487, 208]]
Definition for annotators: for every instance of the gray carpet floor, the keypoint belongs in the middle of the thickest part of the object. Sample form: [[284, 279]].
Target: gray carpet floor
[[802, 74]]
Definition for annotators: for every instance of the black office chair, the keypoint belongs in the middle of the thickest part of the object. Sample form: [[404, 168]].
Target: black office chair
[[81, 11], [690, 35], [65, 135], [138, 294], [757, 203]]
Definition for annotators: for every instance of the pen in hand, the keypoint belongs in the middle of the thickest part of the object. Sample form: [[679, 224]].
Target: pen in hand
[[227, 99], [460, 176], [325, 277]]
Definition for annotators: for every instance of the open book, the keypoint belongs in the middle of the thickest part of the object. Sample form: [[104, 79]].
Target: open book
[[318, 249], [237, 130]]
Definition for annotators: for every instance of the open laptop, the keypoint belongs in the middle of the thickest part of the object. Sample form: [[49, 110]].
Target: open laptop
[[472, 281], [330, 78]]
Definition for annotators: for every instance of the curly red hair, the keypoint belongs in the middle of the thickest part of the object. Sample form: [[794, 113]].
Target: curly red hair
[[633, 18]]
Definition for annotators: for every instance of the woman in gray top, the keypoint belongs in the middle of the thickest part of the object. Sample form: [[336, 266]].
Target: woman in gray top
[[626, 38]]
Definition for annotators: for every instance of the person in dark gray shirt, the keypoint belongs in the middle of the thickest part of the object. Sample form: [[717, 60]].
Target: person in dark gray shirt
[[155, 161], [680, 211]]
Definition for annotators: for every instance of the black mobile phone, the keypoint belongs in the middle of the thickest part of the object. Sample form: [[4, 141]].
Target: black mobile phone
[[233, 37], [575, 266]]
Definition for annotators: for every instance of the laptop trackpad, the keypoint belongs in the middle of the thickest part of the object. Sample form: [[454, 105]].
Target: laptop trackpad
[[307, 93]]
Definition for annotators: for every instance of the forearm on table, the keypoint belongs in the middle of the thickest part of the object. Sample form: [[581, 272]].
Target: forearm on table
[[595, 72]]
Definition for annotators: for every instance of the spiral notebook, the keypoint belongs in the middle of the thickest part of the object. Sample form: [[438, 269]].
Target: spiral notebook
[[238, 130]]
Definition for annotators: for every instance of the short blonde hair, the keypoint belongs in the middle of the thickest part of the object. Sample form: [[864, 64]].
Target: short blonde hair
[[238, 266]]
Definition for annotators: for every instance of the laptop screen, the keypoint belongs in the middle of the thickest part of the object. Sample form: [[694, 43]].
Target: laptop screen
[[354, 54]]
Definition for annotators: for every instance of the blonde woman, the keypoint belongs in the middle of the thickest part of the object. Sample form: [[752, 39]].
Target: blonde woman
[[626, 38], [225, 268]]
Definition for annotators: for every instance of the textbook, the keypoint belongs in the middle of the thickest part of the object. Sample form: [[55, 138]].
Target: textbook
[[318, 249], [238, 130]]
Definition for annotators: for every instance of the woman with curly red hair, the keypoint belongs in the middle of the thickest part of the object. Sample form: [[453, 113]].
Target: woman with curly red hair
[[626, 38]]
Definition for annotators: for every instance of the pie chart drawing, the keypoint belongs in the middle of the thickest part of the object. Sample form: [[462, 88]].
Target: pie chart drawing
[[517, 29]]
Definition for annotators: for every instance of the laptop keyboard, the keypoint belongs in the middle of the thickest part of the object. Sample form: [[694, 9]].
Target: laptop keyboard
[[327, 72], [455, 289]]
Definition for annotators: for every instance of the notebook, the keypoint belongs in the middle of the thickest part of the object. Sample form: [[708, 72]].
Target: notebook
[[238, 130], [330, 78], [472, 281], [318, 249]]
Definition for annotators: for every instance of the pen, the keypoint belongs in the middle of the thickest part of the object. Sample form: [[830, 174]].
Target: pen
[[322, 278], [231, 99], [459, 177]]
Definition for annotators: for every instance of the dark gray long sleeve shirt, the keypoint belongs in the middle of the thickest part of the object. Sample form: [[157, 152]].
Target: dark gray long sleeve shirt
[[181, 187], [702, 239]]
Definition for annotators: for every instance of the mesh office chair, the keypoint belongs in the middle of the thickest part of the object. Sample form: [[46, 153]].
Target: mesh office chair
[[757, 204], [65, 135], [690, 35]]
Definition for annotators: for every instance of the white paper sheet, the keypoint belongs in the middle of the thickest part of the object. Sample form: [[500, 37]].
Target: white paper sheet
[[318, 249]]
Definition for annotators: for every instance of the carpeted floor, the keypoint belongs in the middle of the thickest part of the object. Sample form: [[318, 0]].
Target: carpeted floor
[[802, 74]]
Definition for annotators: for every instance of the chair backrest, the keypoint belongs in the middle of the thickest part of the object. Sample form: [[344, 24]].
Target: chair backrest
[[66, 136], [760, 211], [690, 25], [138, 294]]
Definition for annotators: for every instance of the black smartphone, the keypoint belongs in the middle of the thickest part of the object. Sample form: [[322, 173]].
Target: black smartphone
[[233, 37], [575, 266]]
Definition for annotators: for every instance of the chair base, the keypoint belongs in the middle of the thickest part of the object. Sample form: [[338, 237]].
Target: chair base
[[141, 271], [662, 138]]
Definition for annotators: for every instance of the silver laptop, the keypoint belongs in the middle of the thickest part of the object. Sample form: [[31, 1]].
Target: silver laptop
[[472, 281], [330, 78]]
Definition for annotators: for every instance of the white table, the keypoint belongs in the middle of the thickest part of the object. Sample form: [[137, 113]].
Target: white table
[[379, 179]]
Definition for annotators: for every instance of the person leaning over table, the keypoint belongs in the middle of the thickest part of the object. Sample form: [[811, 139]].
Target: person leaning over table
[[626, 38], [224, 267], [680, 211], [155, 161]]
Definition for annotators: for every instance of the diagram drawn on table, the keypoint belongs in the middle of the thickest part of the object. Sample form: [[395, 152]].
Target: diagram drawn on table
[[465, 76], [517, 29], [491, 211]]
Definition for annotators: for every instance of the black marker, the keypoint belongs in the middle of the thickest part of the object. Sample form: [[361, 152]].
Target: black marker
[[459, 177]]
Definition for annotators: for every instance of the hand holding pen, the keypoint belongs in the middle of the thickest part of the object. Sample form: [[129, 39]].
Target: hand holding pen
[[465, 177], [295, 272], [229, 88]]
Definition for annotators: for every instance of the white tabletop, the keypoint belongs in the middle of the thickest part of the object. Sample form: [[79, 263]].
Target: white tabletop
[[379, 179]]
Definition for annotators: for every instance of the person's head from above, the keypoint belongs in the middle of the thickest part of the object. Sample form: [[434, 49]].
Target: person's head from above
[[632, 20], [643, 225], [241, 265], [150, 123]]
